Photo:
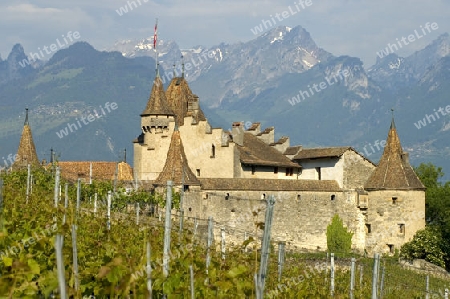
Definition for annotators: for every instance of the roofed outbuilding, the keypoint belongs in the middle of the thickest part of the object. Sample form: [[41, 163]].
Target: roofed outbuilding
[[73, 170]]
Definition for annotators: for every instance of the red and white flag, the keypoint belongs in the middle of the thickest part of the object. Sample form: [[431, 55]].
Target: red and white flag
[[155, 36]]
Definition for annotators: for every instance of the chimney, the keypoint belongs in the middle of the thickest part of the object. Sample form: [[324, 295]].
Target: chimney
[[255, 128], [405, 158], [237, 132], [267, 136], [282, 144]]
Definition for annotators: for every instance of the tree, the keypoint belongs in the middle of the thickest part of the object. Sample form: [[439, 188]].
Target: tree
[[427, 245], [338, 238], [437, 204], [429, 174]]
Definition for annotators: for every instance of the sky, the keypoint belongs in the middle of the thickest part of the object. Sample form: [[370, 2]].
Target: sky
[[358, 28]]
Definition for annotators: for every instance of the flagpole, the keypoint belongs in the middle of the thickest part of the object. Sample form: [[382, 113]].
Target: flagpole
[[155, 39]]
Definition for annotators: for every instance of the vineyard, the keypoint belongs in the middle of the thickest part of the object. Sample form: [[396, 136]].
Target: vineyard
[[50, 237]]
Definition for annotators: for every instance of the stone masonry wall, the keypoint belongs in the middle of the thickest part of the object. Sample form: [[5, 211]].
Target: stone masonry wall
[[357, 170], [301, 221], [385, 215]]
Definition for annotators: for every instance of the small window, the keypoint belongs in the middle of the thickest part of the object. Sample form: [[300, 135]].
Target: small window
[[213, 151], [227, 197], [198, 172], [253, 169], [289, 171], [368, 228], [333, 197], [391, 248], [190, 209], [263, 196], [299, 197], [185, 188], [394, 200], [401, 228], [319, 173], [275, 169]]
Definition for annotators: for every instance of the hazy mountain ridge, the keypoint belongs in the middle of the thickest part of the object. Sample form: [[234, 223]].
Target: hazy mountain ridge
[[251, 81]]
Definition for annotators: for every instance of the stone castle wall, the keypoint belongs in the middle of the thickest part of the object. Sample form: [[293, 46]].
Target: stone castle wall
[[385, 216], [300, 218], [356, 170]]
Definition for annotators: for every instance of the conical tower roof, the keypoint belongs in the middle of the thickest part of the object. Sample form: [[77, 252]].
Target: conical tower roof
[[26, 153], [157, 102], [179, 95], [176, 168], [394, 171]]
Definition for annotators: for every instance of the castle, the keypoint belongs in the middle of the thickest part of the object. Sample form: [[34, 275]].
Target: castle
[[228, 176]]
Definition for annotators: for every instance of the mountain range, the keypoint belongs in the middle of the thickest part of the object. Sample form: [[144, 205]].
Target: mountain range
[[282, 78]]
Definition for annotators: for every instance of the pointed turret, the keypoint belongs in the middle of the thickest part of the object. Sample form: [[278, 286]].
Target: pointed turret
[[176, 168], [26, 153], [157, 102], [183, 102], [394, 171]]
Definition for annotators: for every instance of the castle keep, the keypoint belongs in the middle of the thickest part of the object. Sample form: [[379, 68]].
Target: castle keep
[[228, 175]]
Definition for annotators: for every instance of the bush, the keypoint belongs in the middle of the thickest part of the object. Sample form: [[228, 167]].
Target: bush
[[426, 244], [338, 238]]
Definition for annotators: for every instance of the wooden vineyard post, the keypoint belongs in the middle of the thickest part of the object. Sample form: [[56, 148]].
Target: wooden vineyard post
[[375, 275], [352, 278], [265, 246], [56, 190], [167, 230], [281, 255], [208, 248], [149, 271], [60, 266], [28, 181], [75, 257], [332, 275]]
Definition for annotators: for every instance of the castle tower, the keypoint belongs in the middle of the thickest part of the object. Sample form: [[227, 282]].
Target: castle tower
[[183, 102], [396, 199], [176, 168], [26, 153], [157, 124]]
